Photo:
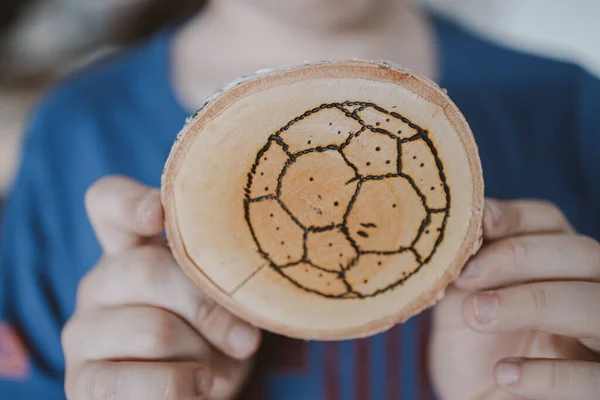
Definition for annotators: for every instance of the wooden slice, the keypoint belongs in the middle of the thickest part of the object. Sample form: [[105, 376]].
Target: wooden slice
[[325, 201]]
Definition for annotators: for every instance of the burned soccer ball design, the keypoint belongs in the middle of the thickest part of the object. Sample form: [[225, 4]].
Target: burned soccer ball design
[[348, 200]]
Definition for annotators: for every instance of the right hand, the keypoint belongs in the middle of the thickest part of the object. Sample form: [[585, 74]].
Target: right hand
[[141, 329]]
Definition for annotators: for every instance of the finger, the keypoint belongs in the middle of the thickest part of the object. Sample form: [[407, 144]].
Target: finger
[[149, 275], [563, 308], [123, 213], [532, 258], [546, 379], [135, 332], [140, 381], [517, 217]]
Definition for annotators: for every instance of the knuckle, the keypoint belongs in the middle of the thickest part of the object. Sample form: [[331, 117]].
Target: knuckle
[[148, 266], [515, 250], [85, 288], [66, 337], [591, 248], [157, 332], [538, 297], [560, 378]]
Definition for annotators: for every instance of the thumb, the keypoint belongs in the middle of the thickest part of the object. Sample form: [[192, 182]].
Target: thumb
[[124, 213]]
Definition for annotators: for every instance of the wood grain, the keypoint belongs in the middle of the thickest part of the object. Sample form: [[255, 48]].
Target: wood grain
[[325, 201]]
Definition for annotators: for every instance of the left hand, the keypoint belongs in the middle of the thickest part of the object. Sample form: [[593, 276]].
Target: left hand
[[523, 320]]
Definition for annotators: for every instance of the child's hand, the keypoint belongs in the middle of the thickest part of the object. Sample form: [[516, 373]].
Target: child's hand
[[523, 320], [141, 329]]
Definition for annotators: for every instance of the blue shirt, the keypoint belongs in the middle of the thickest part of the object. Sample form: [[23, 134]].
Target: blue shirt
[[535, 121]]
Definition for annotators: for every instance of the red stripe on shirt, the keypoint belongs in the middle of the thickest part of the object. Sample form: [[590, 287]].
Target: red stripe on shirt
[[332, 376], [392, 362], [362, 370]]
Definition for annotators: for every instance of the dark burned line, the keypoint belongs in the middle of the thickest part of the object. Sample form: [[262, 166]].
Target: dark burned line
[[262, 198], [399, 159], [318, 229], [287, 164], [424, 224], [301, 117], [351, 203], [437, 210], [422, 134], [418, 136], [385, 253], [283, 145], [305, 246], [318, 149], [369, 225], [327, 271], [350, 164], [350, 136], [417, 256], [353, 243], [289, 265], [288, 212]]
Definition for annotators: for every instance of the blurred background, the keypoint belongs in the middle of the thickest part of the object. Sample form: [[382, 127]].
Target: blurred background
[[41, 40]]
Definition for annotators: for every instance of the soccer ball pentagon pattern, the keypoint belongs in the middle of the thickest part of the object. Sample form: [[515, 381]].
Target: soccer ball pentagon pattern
[[347, 200]]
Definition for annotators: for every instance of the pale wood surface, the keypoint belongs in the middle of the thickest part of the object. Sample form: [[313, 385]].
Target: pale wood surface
[[325, 201]]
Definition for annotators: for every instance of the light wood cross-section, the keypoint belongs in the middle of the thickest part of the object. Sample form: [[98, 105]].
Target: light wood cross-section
[[325, 201]]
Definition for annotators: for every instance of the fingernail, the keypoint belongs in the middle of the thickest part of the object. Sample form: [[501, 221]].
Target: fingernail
[[471, 271], [242, 339], [486, 307], [203, 381], [509, 372], [491, 214]]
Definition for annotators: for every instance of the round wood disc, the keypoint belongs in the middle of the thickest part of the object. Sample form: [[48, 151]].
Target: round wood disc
[[325, 201]]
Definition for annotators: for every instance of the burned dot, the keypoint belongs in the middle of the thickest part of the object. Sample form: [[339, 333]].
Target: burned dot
[[339, 132], [311, 179], [399, 132], [335, 203], [393, 206], [265, 158], [262, 174], [330, 244], [320, 275], [387, 120], [282, 242], [422, 165], [432, 188], [266, 188], [277, 228], [427, 232], [366, 281], [388, 162], [289, 257], [341, 254], [378, 123], [414, 157], [377, 148], [378, 262], [368, 163], [271, 215], [309, 142], [331, 123]]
